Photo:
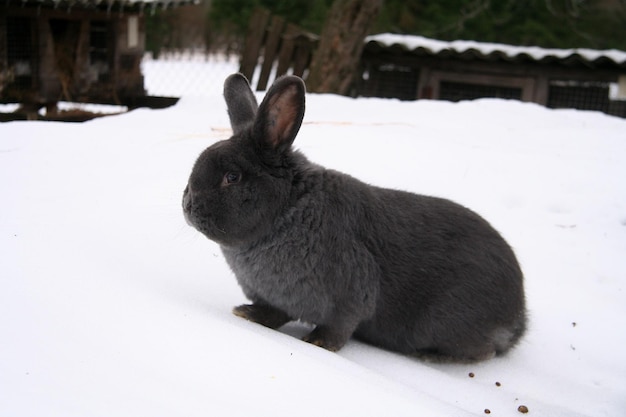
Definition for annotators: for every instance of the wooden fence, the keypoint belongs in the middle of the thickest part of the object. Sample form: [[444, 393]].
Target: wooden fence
[[283, 45], [397, 71]]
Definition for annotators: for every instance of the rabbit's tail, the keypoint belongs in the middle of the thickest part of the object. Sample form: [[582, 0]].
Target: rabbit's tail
[[505, 338], [500, 342]]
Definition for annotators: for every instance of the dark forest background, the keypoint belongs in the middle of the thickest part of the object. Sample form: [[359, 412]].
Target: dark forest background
[[220, 25]]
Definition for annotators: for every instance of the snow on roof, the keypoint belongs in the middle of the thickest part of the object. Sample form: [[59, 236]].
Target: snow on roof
[[483, 50]]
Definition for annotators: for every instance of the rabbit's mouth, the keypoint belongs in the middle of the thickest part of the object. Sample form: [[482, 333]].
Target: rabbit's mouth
[[187, 207], [192, 217], [199, 220]]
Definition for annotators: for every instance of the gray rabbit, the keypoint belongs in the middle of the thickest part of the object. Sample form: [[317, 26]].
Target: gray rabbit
[[410, 273]]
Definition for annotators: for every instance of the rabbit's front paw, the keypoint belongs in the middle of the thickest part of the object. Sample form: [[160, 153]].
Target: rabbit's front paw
[[327, 338], [266, 315]]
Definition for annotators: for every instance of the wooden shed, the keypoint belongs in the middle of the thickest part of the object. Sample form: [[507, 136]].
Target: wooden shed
[[73, 50], [414, 67]]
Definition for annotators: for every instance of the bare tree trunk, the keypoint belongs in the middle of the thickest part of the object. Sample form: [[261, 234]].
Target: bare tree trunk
[[336, 60]]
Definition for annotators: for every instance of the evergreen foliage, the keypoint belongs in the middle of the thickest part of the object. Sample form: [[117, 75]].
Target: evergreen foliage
[[597, 24]]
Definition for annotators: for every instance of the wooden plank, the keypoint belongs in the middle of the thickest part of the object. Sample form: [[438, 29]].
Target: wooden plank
[[81, 65], [288, 45], [302, 57], [253, 43], [271, 46], [47, 81], [4, 66]]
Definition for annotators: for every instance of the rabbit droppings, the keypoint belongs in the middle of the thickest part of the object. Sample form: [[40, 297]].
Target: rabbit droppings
[[410, 273]]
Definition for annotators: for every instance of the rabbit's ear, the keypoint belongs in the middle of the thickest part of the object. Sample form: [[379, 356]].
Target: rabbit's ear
[[280, 115], [240, 100]]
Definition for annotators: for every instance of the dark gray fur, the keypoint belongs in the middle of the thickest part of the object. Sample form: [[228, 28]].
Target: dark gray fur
[[406, 272]]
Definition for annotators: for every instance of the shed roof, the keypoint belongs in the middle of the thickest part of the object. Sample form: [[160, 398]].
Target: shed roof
[[102, 4], [419, 45]]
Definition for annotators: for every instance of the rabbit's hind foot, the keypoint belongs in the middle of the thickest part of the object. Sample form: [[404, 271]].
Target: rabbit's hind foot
[[327, 338], [265, 315]]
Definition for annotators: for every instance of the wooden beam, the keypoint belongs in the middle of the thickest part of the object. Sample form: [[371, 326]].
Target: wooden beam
[[271, 48], [253, 43]]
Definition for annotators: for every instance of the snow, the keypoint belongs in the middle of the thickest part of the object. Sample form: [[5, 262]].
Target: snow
[[111, 305], [435, 46]]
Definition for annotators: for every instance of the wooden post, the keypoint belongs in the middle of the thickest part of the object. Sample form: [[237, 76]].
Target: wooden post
[[287, 43], [271, 47], [6, 76], [305, 45], [287, 47], [254, 40]]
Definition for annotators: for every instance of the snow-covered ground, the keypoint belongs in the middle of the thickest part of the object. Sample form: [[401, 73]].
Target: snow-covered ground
[[111, 305]]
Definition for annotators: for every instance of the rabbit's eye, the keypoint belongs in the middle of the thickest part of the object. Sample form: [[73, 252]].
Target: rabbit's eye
[[231, 177]]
